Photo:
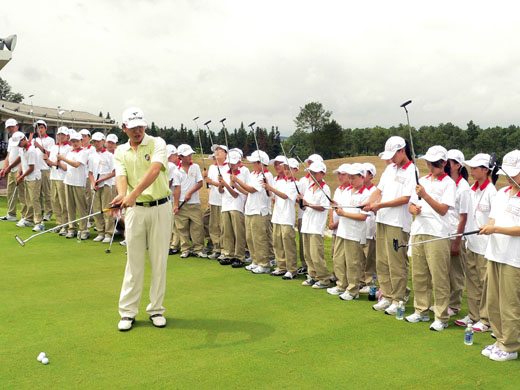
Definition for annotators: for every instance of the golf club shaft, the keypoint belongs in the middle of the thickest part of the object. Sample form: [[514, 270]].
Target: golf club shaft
[[442, 238], [411, 141], [212, 144], [313, 178], [257, 148], [300, 201], [93, 196], [200, 144], [12, 197], [227, 145], [510, 178], [113, 234]]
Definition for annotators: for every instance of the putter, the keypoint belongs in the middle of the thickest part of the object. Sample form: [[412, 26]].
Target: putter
[[113, 234], [257, 148], [201, 151], [493, 164], [411, 141], [312, 176], [212, 144], [23, 242], [227, 145], [12, 197], [396, 244]]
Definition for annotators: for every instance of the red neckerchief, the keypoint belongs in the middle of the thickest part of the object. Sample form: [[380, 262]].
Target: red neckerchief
[[180, 167], [89, 146], [458, 180], [28, 146], [222, 165], [280, 178], [77, 150], [509, 189], [238, 172], [341, 187], [45, 136], [112, 151], [290, 179], [407, 164], [439, 178], [475, 186], [179, 163], [256, 172], [307, 175], [360, 191], [102, 150], [313, 184], [369, 188]]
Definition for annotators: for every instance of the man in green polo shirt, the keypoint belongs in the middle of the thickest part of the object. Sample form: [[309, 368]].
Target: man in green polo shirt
[[142, 188]]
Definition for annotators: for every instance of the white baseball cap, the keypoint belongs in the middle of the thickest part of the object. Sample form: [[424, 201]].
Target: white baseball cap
[[17, 137], [84, 132], [280, 159], [63, 130], [75, 136], [238, 151], [170, 149], [314, 158], [511, 164], [259, 156], [112, 138], [479, 160], [357, 169], [293, 163], [184, 149], [369, 167], [40, 122], [98, 136], [133, 117], [10, 122], [215, 147], [436, 153], [456, 155], [392, 145], [343, 168], [234, 157], [318, 166]]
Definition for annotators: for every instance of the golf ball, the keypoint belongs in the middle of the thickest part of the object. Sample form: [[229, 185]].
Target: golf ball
[[41, 356], [45, 360]]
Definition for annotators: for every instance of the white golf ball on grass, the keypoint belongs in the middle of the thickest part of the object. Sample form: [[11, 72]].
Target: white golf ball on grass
[[45, 360], [41, 356]]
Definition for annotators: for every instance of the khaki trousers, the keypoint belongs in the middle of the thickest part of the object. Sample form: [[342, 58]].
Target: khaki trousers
[[46, 192], [257, 238], [333, 246], [175, 242], [284, 246], [456, 273], [234, 235], [32, 194], [76, 203], [146, 227], [215, 228], [59, 201], [392, 267], [104, 222], [369, 264], [270, 237], [431, 263], [339, 263], [476, 271], [348, 260], [20, 195], [189, 225], [300, 244], [205, 216], [314, 257], [503, 297]]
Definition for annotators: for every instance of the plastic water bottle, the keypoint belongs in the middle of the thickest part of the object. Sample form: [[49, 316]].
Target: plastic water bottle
[[399, 313], [372, 289], [468, 334], [42, 227]]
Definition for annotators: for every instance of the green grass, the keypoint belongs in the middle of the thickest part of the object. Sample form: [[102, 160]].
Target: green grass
[[226, 329]]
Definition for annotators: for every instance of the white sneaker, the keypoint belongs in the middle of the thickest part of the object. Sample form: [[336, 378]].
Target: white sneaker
[[365, 290], [125, 324], [481, 328], [261, 270], [9, 218], [158, 320], [320, 285], [250, 267], [347, 297], [308, 282], [272, 263], [123, 243], [383, 304], [63, 231], [21, 223], [84, 235], [70, 235], [90, 224], [391, 310], [452, 312], [184, 255], [98, 238], [413, 318], [214, 255], [40, 227], [501, 356], [335, 291], [26, 224], [488, 350], [438, 326], [405, 299], [221, 257], [47, 217], [463, 321], [106, 240]]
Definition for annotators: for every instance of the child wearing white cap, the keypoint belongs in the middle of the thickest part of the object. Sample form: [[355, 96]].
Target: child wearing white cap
[[369, 264], [257, 212], [503, 268], [393, 220], [44, 143], [173, 163], [482, 192], [431, 260], [187, 182], [283, 219], [458, 220], [88, 149], [313, 226]]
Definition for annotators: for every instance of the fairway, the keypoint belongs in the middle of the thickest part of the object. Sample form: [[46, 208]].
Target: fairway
[[227, 329]]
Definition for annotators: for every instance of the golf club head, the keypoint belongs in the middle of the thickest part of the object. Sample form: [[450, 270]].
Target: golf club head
[[492, 160], [395, 244], [291, 151], [207, 123], [251, 124], [195, 118], [20, 241], [405, 103], [222, 121], [107, 250]]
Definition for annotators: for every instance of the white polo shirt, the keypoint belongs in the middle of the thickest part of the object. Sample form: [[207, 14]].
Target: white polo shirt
[[284, 212], [47, 143], [430, 222], [102, 164], [303, 184], [505, 210], [462, 204], [338, 197], [314, 221], [371, 219], [88, 151], [29, 156], [215, 197], [395, 183], [258, 202], [228, 202], [112, 157], [348, 228], [482, 198], [14, 153], [171, 171], [76, 176], [188, 180], [58, 173]]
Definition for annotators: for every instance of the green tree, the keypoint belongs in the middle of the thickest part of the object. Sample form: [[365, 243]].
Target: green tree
[[332, 134], [312, 117], [7, 94]]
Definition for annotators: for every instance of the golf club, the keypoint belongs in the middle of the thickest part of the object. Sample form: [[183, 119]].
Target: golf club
[[93, 196], [411, 141], [200, 144], [291, 151], [396, 244], [22, 242], [113, 234], [227, 145], [212, 144], [257, 148], [313, 178], [12, 197], [493, 164]]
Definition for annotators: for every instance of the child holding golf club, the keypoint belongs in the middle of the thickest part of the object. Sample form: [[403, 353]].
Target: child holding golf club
[[44, 143], [431, 260], [314, 221], [458, 220], [369, 262], [503, 268], [173, 163], [482, 193]]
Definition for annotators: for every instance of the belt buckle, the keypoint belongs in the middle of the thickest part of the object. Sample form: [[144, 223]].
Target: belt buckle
[[146, 204]]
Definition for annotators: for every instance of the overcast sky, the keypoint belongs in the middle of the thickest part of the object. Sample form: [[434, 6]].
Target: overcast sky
[[263, 60]]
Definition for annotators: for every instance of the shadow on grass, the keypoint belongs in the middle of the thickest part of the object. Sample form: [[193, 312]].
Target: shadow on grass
[[243, 332]]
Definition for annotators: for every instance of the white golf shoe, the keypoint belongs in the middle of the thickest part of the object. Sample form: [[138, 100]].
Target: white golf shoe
[[125, 324]]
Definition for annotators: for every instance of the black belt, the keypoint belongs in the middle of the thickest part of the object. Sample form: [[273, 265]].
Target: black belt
[[153, 202]]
